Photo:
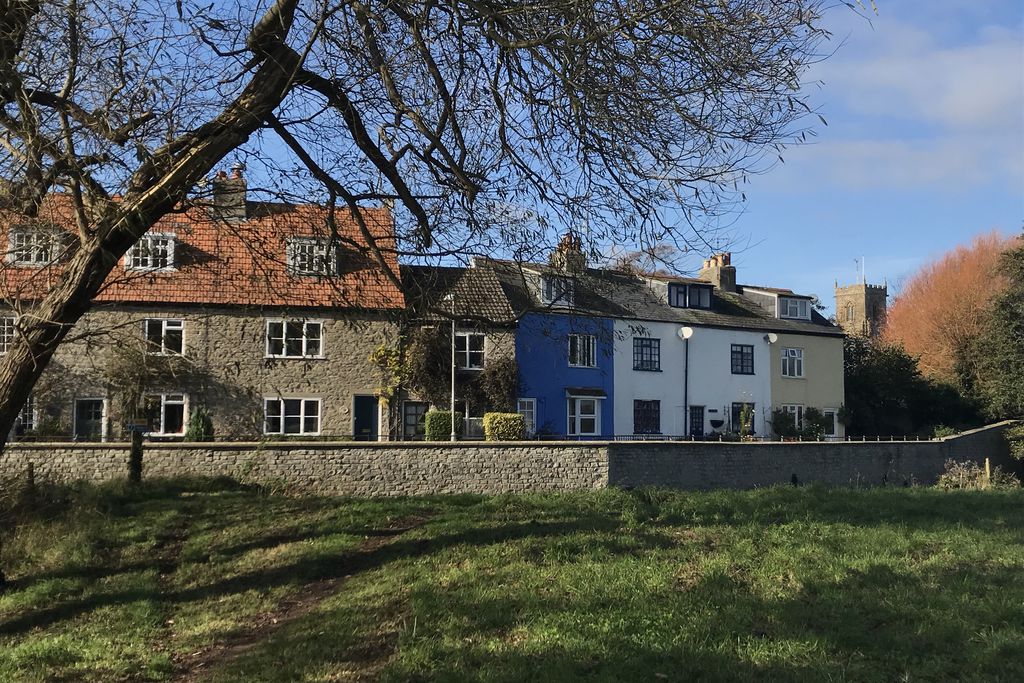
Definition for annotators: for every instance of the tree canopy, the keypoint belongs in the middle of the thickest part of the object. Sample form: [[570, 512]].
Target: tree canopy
[[999, 348], [940, 312], [484, 124]]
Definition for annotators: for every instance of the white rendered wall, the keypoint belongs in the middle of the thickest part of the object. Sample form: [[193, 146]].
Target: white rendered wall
[[665, 386], [713, 385]]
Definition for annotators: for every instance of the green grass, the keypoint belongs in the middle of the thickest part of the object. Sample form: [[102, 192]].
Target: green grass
[[185, 579]]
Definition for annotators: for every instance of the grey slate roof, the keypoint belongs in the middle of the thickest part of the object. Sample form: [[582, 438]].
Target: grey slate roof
[[478, 294], [621, 295]]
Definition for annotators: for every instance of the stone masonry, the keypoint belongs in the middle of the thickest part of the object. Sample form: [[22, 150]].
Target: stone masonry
[[224, 366], [364, 469]]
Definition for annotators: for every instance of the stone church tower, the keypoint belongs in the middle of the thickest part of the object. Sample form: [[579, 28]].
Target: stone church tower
[[860, 308]]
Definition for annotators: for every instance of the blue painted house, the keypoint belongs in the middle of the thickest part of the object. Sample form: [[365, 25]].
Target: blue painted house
[[566, 375]]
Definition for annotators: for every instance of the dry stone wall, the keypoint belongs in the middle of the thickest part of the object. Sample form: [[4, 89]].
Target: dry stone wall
[[391, 469]]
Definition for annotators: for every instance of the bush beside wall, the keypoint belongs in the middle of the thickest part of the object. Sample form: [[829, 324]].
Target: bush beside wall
[[438, 425], [504, 427]]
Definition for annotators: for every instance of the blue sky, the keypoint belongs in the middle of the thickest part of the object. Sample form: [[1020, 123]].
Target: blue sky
[[924, 149]]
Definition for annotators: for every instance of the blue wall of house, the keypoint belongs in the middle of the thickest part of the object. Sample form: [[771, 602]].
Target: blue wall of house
[[542, 352]]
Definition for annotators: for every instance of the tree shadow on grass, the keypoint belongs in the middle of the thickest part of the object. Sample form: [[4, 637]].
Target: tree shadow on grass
[[858, 627], [316, 568]]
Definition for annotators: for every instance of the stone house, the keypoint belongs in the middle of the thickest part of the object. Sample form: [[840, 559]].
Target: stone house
[[263, 315], [469, 303]]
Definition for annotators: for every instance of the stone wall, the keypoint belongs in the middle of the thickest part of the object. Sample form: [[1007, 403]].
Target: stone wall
[[366, 469]]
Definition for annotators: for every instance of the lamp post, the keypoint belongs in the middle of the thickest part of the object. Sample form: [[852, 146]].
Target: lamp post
[[685, 333], [450, 298]]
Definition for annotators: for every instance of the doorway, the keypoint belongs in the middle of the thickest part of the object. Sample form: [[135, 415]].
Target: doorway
[[697, 421], [364, 418], [89, 419]]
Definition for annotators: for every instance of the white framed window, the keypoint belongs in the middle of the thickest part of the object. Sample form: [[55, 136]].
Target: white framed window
[[584, 416], [555, 289], [797, 411], [34, 245], [153, 251], [582, 351], [792, 362], [291, 416], [689, 296], [8, 328], [313, 256], [164, 336], [527, 407], [469, 350], [27, 418], [794, 308], [295, 339], [166, 414]]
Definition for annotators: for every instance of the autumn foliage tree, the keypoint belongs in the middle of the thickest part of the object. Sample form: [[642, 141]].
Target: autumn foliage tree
[[941, 311]]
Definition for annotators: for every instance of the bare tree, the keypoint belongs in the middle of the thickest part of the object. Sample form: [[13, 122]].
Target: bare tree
[[487, 124]]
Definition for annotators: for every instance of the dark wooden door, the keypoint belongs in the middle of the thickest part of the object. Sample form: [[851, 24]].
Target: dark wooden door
[[364, 418]]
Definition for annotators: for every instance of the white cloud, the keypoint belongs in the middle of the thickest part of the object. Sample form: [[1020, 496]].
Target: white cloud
[[908, 112], [973, 86], [954, 163]]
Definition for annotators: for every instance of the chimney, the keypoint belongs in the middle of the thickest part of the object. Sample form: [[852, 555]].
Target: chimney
[[229, 195], [568, 255], [719, 270]]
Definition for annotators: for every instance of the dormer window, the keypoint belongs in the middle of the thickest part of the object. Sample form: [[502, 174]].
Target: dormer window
[[153, 251], [557, 290], [34, 245], [312, 256], [794, 308], [689, 296]]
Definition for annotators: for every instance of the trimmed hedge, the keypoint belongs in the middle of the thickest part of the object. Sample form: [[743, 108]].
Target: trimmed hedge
[[438, 425], [504, 427]]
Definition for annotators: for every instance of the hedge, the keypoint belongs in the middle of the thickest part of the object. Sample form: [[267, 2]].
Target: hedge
[[438, 425], [504, 427]]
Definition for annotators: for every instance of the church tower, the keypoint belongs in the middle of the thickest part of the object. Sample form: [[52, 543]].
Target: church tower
[[860, 308]]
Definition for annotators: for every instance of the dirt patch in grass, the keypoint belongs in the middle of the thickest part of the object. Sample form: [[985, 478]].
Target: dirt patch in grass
[[372, 653]]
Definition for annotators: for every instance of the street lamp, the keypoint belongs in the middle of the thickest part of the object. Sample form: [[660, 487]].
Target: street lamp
[[685, 333], [450, 298]]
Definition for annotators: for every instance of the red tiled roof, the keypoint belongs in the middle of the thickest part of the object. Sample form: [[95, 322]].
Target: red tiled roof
[[242, 263]]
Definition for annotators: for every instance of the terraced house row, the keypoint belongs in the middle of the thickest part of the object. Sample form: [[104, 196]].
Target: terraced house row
[[265, 317]]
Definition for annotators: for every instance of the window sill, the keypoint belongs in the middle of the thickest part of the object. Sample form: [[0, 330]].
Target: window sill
[[647, 369], [294, 357], [583, 367], [748, 374], [793, 377]]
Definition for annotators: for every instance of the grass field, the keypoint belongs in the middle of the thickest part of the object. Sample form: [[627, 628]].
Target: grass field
[[194, 581]]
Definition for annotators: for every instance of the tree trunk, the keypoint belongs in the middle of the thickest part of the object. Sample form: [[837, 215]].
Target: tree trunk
[[160, 183]]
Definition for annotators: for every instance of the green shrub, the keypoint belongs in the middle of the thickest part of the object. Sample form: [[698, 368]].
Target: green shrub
[[815, 424], [438, 425], [970, 476], [200, 425], [942, 431], [504, 427], [1015, 437]]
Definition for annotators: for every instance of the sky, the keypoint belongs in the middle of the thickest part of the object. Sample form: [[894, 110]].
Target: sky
[[924, 149]]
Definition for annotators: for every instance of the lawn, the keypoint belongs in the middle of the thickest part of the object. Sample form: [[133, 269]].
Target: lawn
[[193, 581]]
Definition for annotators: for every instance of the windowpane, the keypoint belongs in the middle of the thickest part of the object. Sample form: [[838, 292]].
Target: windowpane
[[582, 350], [742, 359], [646, 417], [646, 353], [7, 332]]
